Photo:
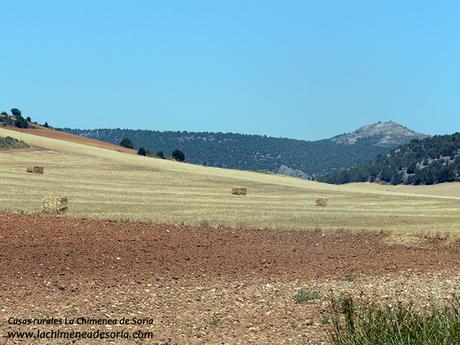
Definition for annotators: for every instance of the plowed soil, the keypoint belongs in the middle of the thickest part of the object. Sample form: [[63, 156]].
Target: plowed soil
[[203, 285], [99, 249]]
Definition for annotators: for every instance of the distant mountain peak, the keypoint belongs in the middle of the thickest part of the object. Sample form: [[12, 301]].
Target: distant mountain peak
[[388, 133]]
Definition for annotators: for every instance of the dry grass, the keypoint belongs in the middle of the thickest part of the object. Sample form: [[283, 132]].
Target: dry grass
[[108, 184]]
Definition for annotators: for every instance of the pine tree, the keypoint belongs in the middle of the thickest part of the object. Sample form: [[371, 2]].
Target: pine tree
[[126, 143], [141, 151], [178, 155]]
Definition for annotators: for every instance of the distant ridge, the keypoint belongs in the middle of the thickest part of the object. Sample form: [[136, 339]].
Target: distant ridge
[[300, 158], [427, 161], [383, 133]]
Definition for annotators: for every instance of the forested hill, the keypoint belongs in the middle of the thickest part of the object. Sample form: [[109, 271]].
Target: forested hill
[[428, 161], [300, 158]]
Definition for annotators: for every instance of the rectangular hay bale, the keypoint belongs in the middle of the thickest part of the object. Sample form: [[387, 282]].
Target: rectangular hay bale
[[52, 204], [321, 202], [35, 170], [239, 191]]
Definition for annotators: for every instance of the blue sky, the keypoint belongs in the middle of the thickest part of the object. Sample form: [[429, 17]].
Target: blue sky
[[300, 69]]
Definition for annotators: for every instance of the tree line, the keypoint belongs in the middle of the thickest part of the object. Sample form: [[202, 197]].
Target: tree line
[[246, 152], [419, 162], [178, 155]]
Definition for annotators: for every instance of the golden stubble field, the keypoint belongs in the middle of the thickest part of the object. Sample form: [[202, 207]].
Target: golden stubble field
[[106, 184]]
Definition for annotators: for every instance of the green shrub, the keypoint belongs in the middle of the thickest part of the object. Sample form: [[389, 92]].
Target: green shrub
[[178, 155], [11, 143], [126, 143], [350, 278], [306, 296], [141, 151], [359, 323]]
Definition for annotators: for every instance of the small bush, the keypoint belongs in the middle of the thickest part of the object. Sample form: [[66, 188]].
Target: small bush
[[11, 143], [306, 296], [126, 143], [178, 155], [215, 320], [350, 278], [358, 323], [160, 154], [141, 151]]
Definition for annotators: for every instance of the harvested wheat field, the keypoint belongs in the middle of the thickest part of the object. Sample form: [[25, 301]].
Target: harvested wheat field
[[107, 184], [202, 285]]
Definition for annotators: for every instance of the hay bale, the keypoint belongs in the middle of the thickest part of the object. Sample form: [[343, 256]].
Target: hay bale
[[239, 191], [321, 202], [53, 204], [35, 170]]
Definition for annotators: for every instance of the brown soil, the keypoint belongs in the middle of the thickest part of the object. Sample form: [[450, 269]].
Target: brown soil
[[54, 134], [203, 285], [47, 246]]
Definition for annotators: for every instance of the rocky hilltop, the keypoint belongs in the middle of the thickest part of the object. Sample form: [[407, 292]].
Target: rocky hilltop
[[386, 134]]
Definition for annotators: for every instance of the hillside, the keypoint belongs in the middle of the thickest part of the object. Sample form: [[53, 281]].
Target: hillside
[[107, 184], [300, 158], [26, 125], [54, 134], [11, 143], [420, 162]]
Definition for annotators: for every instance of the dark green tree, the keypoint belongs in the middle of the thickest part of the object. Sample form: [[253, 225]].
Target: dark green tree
[[16, 112], [387, 174], [398, 178], [446, 174], [160, 154], [141, 151], [178, 155], [411, 167], [126, 143], [20, 122], [46, 125]]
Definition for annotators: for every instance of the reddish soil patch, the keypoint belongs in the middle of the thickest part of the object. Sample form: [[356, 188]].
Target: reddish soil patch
[[51, 133], [202, 285], [47, 246]]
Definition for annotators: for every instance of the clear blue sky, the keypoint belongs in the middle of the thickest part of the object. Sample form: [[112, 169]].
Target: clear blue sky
[[300, 69]]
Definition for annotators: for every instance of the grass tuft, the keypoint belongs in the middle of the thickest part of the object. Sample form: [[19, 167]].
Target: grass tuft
[[306, 296], [355, 322], [350, 278], [215, 320]]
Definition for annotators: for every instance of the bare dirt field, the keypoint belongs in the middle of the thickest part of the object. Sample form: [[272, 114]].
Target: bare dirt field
[[54, 134], [203, 285]]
